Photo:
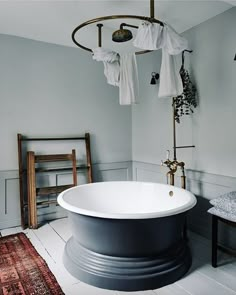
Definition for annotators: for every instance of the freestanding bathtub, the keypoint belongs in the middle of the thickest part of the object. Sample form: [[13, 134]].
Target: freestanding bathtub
[[127, 235]]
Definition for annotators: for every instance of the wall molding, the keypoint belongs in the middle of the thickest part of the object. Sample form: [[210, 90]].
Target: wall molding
[[10, 197], [205, 186], [112, 171]]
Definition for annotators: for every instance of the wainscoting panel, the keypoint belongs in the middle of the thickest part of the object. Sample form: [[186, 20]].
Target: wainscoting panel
[[9, 190], [9, 199], [112, 171], [147, 172], [204, 186], [152, 173]]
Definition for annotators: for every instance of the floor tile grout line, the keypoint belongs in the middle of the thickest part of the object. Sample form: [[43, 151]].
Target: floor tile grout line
[[56, 232], [220, 270], [217, 282], [155, 292], [76, 283], [44, 247], [207, 246], [183, 288]]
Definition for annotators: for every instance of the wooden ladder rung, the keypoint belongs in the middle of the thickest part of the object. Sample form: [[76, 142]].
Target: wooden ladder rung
[[40, 203], [50, 158], [54, 169], [44, 191]]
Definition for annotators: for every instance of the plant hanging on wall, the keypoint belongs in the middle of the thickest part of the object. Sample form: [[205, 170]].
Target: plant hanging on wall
[[185, 102]]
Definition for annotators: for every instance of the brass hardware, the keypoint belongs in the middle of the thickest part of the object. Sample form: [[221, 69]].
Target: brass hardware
[[171, 193], [173, 166], [152, 9], [172, 178], [150, 19], [99, 34], [185, 146], [127, 25], [174, 129], [123, 35], [183, 181]]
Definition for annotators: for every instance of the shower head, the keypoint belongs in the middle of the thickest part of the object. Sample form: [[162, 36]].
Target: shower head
[[123, 35]]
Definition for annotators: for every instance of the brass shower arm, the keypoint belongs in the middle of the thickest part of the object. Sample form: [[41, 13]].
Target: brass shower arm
[[127, 25]]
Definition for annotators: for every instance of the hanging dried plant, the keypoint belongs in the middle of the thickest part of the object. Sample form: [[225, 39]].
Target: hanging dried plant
[[185, 102]]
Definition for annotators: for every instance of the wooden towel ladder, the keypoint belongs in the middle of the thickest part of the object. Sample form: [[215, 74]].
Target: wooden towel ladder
[[23, 144], [34, 192]]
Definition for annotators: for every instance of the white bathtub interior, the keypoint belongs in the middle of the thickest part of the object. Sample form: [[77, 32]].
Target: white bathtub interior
[[127, 199]]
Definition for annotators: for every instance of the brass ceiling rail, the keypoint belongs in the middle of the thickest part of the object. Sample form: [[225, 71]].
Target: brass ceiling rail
[[150, 19]]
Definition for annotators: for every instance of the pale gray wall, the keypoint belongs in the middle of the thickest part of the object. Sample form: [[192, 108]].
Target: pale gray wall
[[214, 45], [47, 89], [70, 95], [151, 118], [212, 127]]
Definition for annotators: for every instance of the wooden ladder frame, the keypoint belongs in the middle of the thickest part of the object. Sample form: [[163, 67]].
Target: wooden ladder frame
[[23, 172], [34, 191]]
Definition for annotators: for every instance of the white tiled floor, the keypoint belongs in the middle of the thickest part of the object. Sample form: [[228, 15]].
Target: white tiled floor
[[202, 279]]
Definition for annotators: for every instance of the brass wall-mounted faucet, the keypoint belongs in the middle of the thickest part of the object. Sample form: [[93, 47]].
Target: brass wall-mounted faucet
[[173, 167]]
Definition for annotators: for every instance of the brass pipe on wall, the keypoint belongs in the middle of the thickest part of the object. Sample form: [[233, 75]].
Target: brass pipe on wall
[[185, 146], [172, 179], [174, 130], [183, 181]]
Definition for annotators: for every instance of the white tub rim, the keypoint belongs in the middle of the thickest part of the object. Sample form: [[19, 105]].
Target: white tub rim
[[148, 215]]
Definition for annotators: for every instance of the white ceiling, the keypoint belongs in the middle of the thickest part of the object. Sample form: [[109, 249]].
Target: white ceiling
[[53, 20]]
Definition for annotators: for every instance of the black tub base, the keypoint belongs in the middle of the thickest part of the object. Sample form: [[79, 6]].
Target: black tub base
[[126, 273]]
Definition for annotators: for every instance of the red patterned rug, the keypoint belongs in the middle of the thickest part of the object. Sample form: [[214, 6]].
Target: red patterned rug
[[22, 269]]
